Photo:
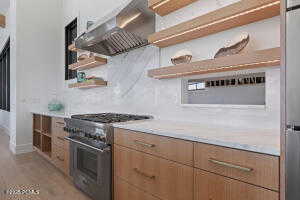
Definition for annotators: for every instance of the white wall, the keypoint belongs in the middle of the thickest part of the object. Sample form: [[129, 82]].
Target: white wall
[[37, 69], [35, 59], [130, 90]]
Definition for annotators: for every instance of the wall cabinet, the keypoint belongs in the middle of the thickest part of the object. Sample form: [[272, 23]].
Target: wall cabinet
[[154, 167]]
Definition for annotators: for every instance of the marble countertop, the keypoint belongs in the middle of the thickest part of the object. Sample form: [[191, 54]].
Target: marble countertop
[[250, 139], [52, 114], [255, 140]]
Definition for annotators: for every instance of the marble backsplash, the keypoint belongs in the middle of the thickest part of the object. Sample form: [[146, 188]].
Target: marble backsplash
[[130, 90]]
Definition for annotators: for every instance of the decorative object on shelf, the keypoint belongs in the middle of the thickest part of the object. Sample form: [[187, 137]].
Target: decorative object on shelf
[[253, 60], [82, 57], [73, 48], [235, 46], [81, 77], [55, 105], [182, 57]]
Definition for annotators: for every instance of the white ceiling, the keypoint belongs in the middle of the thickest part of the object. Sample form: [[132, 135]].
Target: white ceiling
[[4, 5]]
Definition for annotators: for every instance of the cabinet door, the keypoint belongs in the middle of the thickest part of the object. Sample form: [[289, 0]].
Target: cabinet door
[[169, 148], [209, 186], [161, 178], [249, 167], [125, 191], [67, 157]]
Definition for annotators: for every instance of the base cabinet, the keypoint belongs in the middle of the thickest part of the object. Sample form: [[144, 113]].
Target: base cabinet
[[209, 186], [159, 177], [147, 169], [124, 191], [49, 141]]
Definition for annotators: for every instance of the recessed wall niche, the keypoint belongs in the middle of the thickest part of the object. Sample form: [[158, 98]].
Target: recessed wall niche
[[241, 89]]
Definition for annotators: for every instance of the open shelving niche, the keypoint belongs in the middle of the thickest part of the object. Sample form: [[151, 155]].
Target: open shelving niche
[[234, 15], [42, 138], [88, 63]]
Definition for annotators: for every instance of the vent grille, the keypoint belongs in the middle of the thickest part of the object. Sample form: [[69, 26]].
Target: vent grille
[[122, 41]]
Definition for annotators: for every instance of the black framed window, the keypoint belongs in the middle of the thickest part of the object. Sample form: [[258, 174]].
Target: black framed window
[[70, 56], [5, 77]]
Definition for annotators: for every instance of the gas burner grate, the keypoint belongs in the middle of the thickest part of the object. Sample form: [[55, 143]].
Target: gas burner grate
[[110, 117]]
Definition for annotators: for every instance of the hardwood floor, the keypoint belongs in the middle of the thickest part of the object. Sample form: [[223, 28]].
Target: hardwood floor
[[30, 171]]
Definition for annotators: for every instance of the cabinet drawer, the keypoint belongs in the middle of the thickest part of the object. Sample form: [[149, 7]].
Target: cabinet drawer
[[58, 157], [169, 148], [254, 168], [58, 132], [209, 186], [159, 177], [124, 191]]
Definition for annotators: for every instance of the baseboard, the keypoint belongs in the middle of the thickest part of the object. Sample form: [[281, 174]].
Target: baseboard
[[5, 130], [20, 149]]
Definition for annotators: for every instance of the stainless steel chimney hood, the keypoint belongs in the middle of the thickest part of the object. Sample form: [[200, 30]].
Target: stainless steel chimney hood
[[126, 28]]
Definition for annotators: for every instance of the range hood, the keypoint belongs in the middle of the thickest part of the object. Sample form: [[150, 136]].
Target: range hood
[[126, 28]]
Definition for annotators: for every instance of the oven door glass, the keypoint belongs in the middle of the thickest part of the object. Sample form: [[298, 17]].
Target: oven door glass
[[87, 163]]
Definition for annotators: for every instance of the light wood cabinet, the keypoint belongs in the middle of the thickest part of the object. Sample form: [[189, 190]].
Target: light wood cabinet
[[161, 178], [169, 148], [49, 142], [152, 167], [209, 186], [60, 146], [254, 168], [124, 191]]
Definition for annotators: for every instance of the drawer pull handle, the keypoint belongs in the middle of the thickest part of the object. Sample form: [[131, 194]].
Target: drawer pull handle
[[61, 138], [59, 158], [245, 169], [144, 144], [60, 123], [144, 174]]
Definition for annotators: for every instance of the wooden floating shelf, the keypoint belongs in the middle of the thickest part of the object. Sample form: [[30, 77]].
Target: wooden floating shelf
[[2, 21], [164, 7], [257, 59], [237, 14], [73, 48], [89, 84], [88, 63]]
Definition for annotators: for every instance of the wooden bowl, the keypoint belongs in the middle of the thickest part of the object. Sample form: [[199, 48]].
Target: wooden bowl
[[182, 60]]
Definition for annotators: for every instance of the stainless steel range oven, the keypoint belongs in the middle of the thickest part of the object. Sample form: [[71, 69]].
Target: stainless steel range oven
[[91, 137], [91, 169]]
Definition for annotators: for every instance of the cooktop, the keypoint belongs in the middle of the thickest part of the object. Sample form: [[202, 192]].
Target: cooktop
[[110, 117]]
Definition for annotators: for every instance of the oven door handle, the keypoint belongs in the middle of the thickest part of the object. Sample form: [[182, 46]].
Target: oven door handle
[[83, 144]]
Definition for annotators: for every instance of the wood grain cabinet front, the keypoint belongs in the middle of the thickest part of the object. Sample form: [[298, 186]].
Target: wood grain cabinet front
[[161, 178], [124, 191], [60, 146], [257, 169], [209, 186], [58, 157], [169, 148]]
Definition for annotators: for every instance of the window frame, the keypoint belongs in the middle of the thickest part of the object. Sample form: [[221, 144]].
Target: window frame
[[70, 56], [5, 77]]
